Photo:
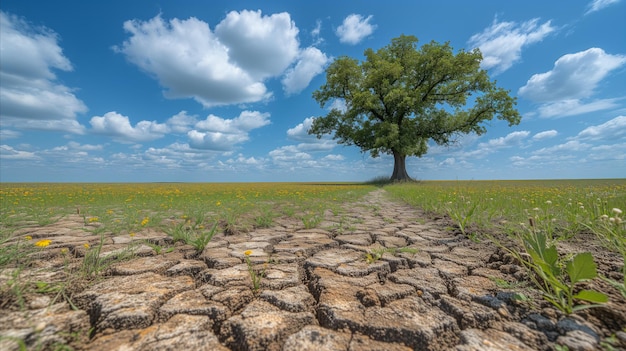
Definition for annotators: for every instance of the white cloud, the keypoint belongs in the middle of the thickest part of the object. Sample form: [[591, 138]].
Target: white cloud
[[29, 94], [310, 63], [509, 140], [545, 135], [9, 153], [333, 157], [318, 145], [572, 107], [355, 28], [261, 45], [118, 126], [177, 156], [216, 133], [570, 146], [181, 122], [72, 145], [610, 130], [501, 44], [246, 121], [315, 33], [221, 67], [60, 125], [301, 131], [9, 134], [491, 146], [215, 140], [250, 161], [574, 76], [597, 5], [189, 61], [289, 153], [450, 161], [310, 142]]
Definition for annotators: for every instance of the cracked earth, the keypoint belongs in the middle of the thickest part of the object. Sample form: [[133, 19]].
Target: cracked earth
[[318, 292]]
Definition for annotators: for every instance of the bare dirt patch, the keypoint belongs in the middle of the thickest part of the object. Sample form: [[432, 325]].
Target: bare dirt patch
[[319, 291]]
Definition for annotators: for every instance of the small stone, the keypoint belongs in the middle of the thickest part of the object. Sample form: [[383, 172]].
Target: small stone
[[503, 312], [40, 327], [40, 302], [578, 340]]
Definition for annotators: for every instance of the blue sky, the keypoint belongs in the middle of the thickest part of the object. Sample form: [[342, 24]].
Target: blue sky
[[213, 91]]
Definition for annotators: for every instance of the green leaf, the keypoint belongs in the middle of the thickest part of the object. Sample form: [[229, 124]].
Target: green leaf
[[581, 268], [592, 296]]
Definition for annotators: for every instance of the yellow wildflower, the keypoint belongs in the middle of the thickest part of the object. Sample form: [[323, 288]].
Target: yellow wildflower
[[248, 252], [86, 245], [28, 237], [64, 251], [131, 234], [145, 221], [218, 203], [43, 243]]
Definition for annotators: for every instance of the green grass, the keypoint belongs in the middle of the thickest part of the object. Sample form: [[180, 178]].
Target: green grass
[[561, 208]]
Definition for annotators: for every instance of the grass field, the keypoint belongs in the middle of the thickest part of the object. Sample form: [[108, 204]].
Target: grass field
[[561, 207], [123, 208]]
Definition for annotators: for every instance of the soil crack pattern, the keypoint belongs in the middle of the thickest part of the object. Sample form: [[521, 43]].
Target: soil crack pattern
[[380, 275]]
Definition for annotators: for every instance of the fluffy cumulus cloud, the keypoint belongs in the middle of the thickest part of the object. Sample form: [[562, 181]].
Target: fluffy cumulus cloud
[[181, 122], [300, 155], [501, 44], [289, 153], [120, 128], [310, 63], [597, 5], [301, 131], [220, 134], [30, 96], [228, 65], [307, 141], [261, 45], [355, 28], [574, 78], [189, 61]]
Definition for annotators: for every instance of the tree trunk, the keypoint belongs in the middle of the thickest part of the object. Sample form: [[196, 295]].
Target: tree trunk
[[399, 168]]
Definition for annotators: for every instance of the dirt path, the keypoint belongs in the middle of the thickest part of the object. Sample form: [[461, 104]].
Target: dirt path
[[318, 292]]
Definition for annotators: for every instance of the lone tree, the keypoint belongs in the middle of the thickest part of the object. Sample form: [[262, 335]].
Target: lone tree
[[400, 97]]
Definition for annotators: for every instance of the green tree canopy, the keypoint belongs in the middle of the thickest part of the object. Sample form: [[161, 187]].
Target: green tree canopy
[[401, 96]]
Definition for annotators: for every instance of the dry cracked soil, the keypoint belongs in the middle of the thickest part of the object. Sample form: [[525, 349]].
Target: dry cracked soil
[[317, 292]]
